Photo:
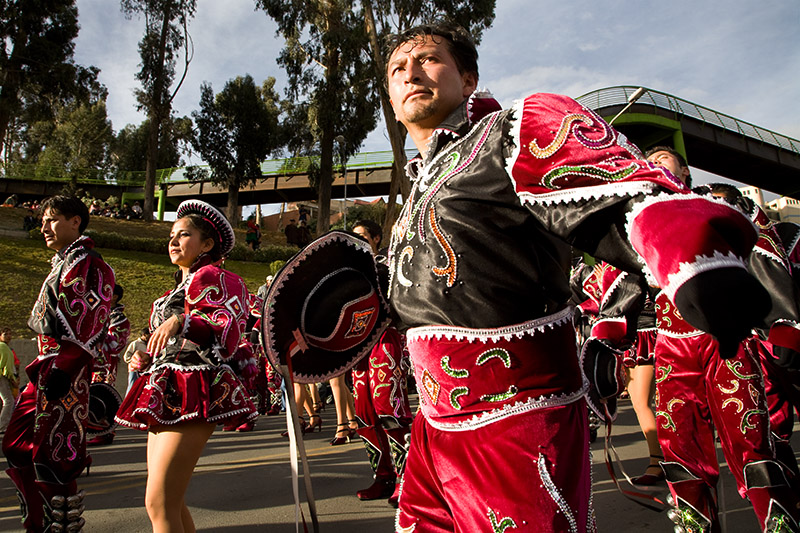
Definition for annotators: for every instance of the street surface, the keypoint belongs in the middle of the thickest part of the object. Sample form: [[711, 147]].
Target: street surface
[[243, 484]]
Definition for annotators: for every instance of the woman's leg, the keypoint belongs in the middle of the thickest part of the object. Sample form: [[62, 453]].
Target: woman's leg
[[172, 454], [641, 387], [345, 409]]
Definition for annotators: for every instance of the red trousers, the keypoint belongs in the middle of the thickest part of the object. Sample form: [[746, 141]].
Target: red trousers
[[526, 473], [381, 401], [697, 391]]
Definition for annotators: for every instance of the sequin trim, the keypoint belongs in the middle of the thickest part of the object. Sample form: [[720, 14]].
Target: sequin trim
[[555, 494]]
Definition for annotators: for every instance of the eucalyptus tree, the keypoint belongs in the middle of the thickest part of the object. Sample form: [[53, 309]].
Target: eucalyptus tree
[[331, 82], [129, 148], [385, 17], [78, 146], [37, 71], [235, 131], [166, 36]]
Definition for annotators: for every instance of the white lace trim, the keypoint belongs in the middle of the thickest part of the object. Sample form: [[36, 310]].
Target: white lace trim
[[702, 263], [614, 285], [490, 334]]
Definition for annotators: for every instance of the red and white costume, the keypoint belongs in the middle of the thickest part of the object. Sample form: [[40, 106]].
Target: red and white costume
[[193, 377], [115, 341], [382, 407], [479, 260]]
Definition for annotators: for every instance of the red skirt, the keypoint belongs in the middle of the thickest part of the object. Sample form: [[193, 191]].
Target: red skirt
[[171, 394]]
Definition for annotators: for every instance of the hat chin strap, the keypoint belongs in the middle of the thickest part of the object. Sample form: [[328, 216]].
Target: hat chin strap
[[298, 345]]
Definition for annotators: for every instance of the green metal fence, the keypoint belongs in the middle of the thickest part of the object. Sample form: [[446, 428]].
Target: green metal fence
[[271, 167], [619, 95]]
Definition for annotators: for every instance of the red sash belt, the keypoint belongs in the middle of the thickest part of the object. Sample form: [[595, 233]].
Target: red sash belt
[[669, 320], [469, 378]]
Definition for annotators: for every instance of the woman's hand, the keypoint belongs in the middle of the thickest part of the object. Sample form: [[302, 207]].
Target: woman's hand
[[163, 333], [139, 361]]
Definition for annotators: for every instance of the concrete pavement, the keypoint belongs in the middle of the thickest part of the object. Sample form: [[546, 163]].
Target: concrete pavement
[[243, 484]]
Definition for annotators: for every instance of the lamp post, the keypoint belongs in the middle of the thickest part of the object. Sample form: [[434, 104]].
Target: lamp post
[[340, 140], [631, 100]]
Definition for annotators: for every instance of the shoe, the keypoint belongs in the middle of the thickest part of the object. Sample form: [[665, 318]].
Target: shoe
[[101, 440], [353, 427], [394, 499], [247, 426], [303, 425], [649, 479], [316, 423], [318, 407], [342, 435], [379, 490], [229, 427]]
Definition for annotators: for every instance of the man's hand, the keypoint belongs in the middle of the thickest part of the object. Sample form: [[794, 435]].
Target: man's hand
[[725, 302], [57, 385]]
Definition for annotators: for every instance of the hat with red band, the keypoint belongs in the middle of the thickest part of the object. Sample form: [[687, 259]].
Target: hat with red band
[[324, 309]]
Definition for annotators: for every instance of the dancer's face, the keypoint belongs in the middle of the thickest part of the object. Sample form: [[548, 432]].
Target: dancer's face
[[186, 243]]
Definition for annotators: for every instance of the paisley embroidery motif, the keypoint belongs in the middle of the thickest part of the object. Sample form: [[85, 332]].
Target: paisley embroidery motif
[[451, 269]]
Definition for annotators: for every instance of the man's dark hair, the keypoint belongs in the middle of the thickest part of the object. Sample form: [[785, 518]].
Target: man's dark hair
[[730, 192], [668, 149], [119, 291], [373, 228], [69, 206], [678, 156], [459, 43]]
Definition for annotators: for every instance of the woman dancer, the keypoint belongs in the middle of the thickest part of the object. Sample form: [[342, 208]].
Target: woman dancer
[[190, 386]]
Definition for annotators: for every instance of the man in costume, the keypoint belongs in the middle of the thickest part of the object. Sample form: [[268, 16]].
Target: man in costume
[[45, 443], [116, 339], [381, 397], [699, 390], [479, 263]]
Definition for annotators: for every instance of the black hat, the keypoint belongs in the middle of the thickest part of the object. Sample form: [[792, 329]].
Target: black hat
[[104, 402], [324, 309], [214, 217], [602, 366]]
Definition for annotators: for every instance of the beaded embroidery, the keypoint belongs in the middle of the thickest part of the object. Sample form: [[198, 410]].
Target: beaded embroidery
[[555, 494], [499, 353], [457, 393], [501, 525], [451, 270], [453, 372]]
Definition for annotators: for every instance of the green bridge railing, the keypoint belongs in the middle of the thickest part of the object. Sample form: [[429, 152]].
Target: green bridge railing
[[269, 168], [619, 95]]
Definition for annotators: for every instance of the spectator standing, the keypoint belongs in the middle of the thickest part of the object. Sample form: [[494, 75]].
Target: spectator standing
[[291, 232], [136, 356], [8, 378]]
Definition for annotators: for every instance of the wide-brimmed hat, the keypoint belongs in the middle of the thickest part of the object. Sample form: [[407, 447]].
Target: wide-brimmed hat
[[602, 366], [324, 310], [104, 402], [214, 217]]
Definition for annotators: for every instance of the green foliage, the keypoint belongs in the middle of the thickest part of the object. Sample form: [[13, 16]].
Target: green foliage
[[236, 130], [39, 75], [129, 147]]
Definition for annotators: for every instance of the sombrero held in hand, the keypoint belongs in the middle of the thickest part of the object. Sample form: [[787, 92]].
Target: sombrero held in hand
[[324, 310]]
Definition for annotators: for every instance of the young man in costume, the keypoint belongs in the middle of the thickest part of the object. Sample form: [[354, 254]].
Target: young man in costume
[[479, 262], [45, 443]]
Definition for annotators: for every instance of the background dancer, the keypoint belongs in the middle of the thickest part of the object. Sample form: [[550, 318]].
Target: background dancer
[[381, 397]]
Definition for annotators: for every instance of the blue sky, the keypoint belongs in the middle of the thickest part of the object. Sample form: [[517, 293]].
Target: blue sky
[[738, 57]]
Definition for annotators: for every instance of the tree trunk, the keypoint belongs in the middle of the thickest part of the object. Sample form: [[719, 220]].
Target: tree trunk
[[9, 91], [156, 114], [397, 136], [233, 204]]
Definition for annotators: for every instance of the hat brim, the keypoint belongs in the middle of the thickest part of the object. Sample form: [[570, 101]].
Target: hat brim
[[104, 402], [282, 309]]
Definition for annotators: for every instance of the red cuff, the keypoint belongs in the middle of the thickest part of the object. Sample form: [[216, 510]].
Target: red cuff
[[785, 334], [72, 358], [610, 329]]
